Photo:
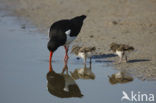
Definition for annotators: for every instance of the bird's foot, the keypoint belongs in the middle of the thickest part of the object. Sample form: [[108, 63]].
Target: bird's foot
[[117, 62], [65, 68], [120, 61], [84, 65], [125, 61]]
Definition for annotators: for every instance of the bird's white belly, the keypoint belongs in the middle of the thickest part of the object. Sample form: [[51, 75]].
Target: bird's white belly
[[118, 75], [82, 55], [69, 40], [119, 53], [68, 81], [81, 71], [85, 71]]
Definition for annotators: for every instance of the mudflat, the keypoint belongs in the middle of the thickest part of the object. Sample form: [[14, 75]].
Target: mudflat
[[131, 22]]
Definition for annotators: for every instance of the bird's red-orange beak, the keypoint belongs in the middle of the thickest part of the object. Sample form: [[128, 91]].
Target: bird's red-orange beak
[[50, 57]]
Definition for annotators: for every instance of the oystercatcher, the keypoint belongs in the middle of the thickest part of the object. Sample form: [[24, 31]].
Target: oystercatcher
[[63, 32], [121, 50], [83, 52], [62, 84]]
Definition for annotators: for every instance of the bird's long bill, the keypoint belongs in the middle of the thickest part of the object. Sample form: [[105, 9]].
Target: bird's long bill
[[50, 67], [50, 59], [50, 56]]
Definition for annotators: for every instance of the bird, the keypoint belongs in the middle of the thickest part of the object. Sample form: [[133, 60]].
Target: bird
[[83, 52], [83, 73], [121, 50], [62, 33], [120, 77], [62, 84]]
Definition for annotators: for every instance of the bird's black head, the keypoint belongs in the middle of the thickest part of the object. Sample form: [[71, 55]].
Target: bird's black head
[[52, 45]]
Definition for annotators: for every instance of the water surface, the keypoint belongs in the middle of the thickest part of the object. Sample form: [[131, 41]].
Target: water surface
[[24, 66]]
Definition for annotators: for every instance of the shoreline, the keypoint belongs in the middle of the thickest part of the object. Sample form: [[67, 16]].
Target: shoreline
[[128, 22]]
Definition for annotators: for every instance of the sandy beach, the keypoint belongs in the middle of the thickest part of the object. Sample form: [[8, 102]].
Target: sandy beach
[[130, 22]]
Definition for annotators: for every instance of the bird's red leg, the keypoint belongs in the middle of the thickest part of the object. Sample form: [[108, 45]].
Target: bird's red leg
[[66, 55], [65, 67]]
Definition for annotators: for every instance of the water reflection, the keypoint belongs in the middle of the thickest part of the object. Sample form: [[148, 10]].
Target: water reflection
[[61, 84], [83, 73], [120, 77]]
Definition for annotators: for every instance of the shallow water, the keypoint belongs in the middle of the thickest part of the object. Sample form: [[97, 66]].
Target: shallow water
[[24, 66]]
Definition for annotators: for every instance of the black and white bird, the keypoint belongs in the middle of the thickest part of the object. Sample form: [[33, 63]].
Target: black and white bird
[[121, 50], [63, 32], [62, 84], [83, 52]]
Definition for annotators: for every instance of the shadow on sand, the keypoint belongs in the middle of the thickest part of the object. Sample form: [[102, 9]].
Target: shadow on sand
[[138, 60], [104, 61], [103, 56]]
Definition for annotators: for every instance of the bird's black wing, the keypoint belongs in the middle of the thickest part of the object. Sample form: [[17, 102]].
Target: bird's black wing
[[58, 29]]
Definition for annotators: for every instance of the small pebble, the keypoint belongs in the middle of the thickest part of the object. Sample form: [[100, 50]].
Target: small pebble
[[91, 36], [115, 22], [23, 26]]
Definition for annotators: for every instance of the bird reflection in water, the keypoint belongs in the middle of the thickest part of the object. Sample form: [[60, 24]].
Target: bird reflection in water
[[120, 77], [83, 73], [61, 84]]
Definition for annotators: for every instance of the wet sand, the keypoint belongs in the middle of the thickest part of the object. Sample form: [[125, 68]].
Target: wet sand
[[130, 22]]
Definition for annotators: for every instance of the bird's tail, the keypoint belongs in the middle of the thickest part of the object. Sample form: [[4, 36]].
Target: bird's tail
[[79, 18]]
